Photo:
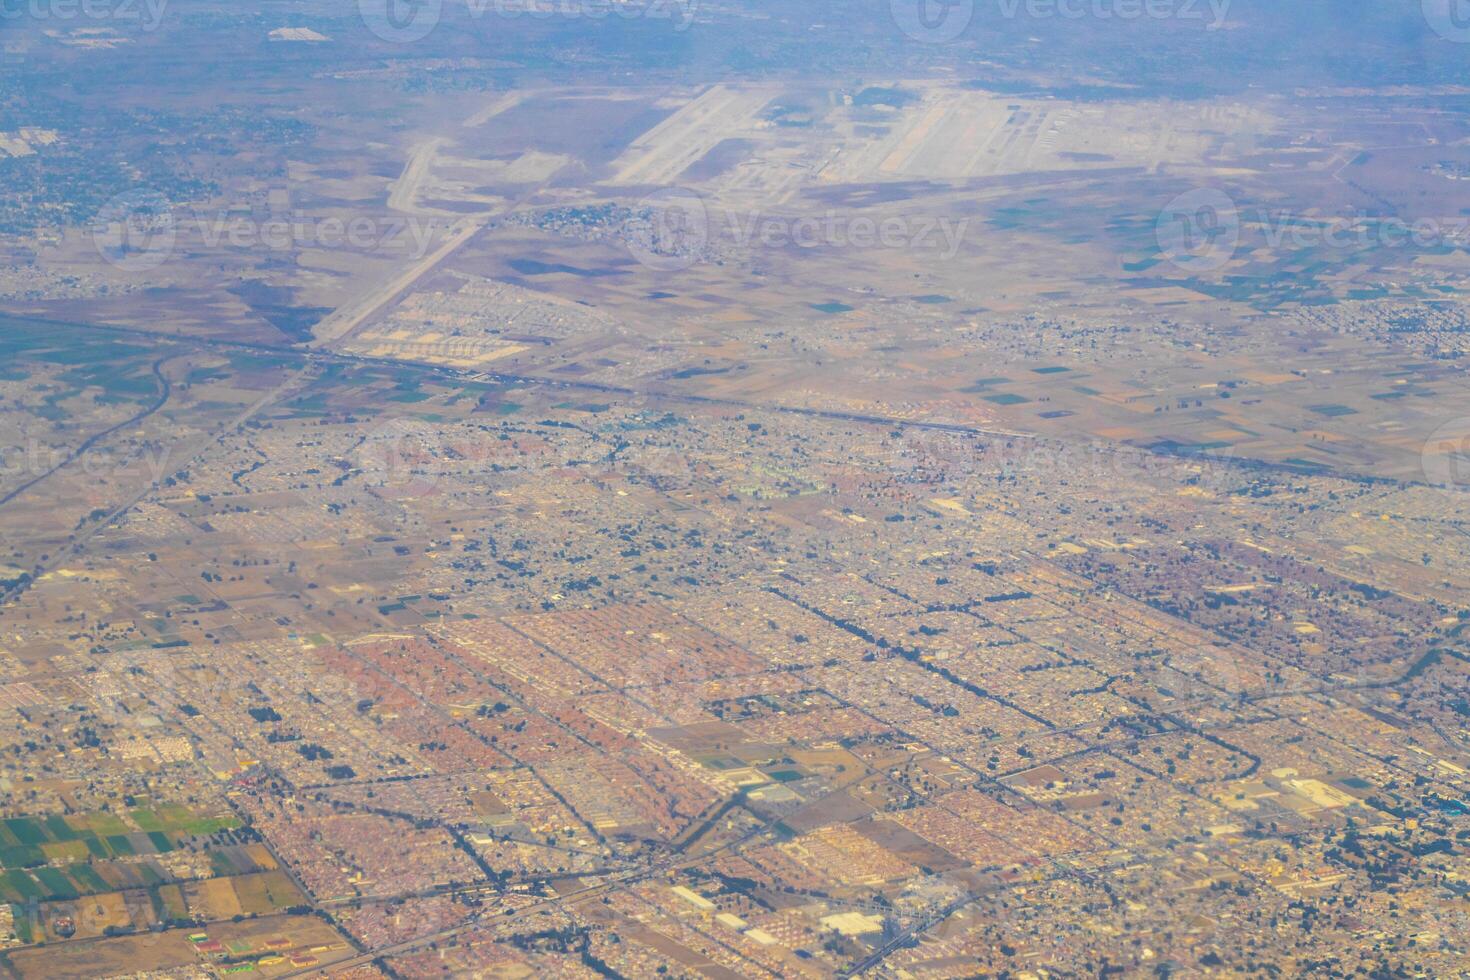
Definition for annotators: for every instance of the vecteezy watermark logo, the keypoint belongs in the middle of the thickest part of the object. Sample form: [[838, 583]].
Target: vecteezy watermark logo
[[680, 13], [672, 230], [1214, 472], [135, 231], [407, 236], [405, 21], [148, 14], [404, 457], [1199, 230], [1450, 19], [32, 458], [139, 231], [669, 229], [834, 229], [400, 21], [1358, 232], [1119, 10], [932, 21], [1445, 458]]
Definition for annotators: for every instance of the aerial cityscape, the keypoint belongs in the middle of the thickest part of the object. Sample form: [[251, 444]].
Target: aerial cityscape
[[903, 489]]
